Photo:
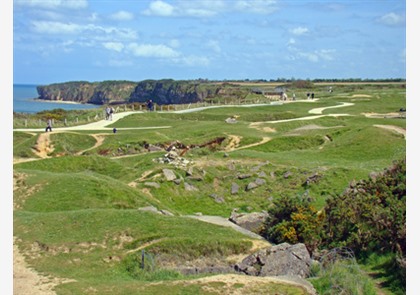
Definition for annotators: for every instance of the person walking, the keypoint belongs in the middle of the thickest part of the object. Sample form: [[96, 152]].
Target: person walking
[[111, 111], [107, 112], [150, 105], [49, 126]]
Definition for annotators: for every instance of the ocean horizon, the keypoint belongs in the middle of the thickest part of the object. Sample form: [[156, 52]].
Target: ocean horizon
[[25, 101]]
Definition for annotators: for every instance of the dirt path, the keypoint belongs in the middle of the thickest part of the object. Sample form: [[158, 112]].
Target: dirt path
[[319, 111], [230, 280], [393, 128], [99, 140], [26, 281], [43, 146]]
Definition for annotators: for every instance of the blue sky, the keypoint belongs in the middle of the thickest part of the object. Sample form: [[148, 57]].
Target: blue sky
[[96, 40]]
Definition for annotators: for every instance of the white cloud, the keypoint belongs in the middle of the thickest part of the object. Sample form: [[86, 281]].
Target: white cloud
[[256, 6], [51, 27], [199, 12], [174, 43], [299, 31], [326, 54], [291, 41], [93, 17], [160, 8], [193, 61], [122, 15], [392, 19], [312, 57], [116, 46], [200, 8], [149, 50], [52, 4], [316, 56], [206, 8], [214, 45]]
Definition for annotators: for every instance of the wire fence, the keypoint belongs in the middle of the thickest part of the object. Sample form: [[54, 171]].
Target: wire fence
[[95, 115]]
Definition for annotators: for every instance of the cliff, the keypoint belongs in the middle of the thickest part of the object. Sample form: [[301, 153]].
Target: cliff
[[160, 91], [87, 92]]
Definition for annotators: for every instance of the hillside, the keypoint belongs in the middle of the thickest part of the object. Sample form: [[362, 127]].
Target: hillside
[[160, 91], [82, 186]]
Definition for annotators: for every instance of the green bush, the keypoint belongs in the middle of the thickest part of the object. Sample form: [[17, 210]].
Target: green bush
[[370, 215], [294, 220]]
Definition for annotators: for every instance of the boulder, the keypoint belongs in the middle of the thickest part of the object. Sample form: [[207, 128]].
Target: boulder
[[169, 174], [280, 260], [251, 221]]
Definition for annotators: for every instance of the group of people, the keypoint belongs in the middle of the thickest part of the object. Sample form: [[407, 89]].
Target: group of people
[[310, 95], [108, 113]]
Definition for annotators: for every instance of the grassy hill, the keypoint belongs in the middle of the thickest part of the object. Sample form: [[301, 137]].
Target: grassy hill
[[76, 207]]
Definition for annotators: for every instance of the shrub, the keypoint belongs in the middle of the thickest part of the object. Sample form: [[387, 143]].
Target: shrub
[[370, 215], [294, 220]]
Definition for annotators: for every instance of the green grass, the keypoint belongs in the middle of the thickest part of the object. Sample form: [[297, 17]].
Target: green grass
[[22, 144], [76, 164], [343, 277], [77, 244], [75, 191], [77, 217], [71, 143]]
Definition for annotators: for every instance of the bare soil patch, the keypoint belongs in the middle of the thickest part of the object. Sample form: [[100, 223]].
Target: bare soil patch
[[232, 280], [43, 146], [393, 128], [386, 115], [99, 141], [361, 95]]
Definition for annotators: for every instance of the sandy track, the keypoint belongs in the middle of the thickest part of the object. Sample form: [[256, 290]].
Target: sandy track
[[43, 146], [393, 128], [26, 281]]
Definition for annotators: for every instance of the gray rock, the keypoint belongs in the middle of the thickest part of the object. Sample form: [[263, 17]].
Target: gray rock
[[279, 260], [260, 181], [251, 221], [217, 199], [190, 171], [155, 210], [244, 176], [251, 186], [169, 174], [190, 187], [262, 174], [234, 189], [178, 181]]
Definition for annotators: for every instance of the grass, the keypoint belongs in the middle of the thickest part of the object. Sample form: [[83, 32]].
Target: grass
[[22, 144], [71, 143], [76, 215], [343, 277]]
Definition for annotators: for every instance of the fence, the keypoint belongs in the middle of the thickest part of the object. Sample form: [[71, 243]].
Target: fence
[[100, 113]]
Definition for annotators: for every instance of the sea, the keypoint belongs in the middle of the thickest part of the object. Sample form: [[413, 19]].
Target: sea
[[25, 101]]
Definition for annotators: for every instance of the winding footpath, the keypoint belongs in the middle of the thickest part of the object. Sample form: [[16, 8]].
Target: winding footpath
[[28, 281]]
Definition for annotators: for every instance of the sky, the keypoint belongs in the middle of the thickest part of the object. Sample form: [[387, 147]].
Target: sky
[[54, 41], [95, 40]]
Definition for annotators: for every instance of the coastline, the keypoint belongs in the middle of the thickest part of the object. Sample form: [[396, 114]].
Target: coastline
[[63, 102]]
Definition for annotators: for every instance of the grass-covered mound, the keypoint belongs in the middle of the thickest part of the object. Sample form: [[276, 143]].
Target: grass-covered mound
[[76, 207]]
